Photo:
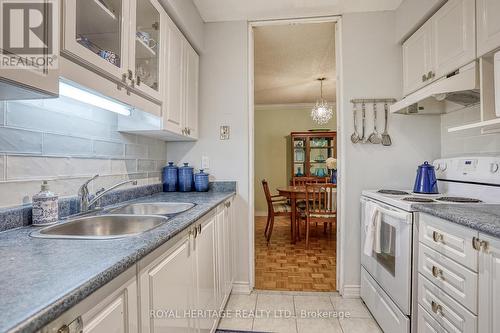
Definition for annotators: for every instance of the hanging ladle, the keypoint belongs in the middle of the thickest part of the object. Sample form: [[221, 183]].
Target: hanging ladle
[[375, 137]]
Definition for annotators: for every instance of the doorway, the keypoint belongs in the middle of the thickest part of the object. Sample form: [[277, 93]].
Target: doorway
[[288, 60]]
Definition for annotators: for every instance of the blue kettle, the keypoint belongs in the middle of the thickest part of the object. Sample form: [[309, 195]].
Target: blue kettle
[[426, 182]]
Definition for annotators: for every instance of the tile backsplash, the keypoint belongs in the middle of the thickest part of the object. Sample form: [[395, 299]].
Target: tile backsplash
[[66, 143], [466, 142]]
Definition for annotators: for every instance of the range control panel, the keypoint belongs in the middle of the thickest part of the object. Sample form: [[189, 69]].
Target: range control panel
[[481, 169]]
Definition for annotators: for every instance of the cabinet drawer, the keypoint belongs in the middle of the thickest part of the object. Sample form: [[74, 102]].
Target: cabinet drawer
[[450, 239], [445, 310], [456, 280], [427, 324]]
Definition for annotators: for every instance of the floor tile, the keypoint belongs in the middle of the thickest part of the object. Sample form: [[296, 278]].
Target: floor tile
[[312, 304], [355, 307], [359, 325], [318, 325], [239, 324], [275, 325], [242, 302], [276, 303]]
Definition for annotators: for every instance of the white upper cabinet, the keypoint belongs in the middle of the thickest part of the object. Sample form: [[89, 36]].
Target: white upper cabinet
[[174, 87], [96, 34], [489, 285], [31, 83], [453, 36], [180, 109], [147, 33], [417, 59], [120, 40], [488, 26], [192, 88], [443, 44]]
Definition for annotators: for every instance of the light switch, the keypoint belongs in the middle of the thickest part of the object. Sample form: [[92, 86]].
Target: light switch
[[224, 132], [205, 162]]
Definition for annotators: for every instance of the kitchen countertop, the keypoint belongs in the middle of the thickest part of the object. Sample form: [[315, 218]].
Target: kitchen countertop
[[481, 217], [40, 279]]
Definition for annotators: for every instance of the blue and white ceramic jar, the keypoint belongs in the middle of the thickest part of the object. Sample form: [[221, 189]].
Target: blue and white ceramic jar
[[185, 178], [170, 177], [201, 181]]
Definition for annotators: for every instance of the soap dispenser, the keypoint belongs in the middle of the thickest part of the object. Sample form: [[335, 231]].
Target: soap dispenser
[[45, 206]]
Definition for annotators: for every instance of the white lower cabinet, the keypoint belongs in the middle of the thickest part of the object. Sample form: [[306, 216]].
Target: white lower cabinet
[[111, 309], [489, 285], [459, 278]]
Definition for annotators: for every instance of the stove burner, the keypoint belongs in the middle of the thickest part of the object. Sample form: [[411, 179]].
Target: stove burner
[[458, 199], [393, 192], [417, 199]]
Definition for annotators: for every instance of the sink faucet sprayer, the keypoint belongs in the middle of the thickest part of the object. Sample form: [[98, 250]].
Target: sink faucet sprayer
[[84, 195]]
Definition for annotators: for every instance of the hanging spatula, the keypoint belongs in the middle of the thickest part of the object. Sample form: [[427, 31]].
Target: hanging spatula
[[386, 138]]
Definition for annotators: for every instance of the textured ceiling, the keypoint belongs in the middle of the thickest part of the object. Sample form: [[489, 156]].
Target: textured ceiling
[[288, 60], [233, 10]]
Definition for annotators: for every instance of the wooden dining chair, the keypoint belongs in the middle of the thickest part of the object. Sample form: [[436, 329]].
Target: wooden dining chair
[[276, 206], [321, 206], [302, 181]]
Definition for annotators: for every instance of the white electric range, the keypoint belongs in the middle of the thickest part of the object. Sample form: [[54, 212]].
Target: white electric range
[[388, 272]]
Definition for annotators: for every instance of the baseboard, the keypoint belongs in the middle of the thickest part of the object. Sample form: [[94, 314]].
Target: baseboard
[[350, 291], [241, 288], [260, 213]]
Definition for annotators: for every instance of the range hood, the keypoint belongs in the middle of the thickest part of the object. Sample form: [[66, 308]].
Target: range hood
[[461, 87]]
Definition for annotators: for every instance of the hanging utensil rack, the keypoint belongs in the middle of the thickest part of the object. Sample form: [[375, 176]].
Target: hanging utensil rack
[[385, 138]]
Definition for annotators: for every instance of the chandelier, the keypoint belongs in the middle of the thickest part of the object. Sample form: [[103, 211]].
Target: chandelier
[[322, 112]]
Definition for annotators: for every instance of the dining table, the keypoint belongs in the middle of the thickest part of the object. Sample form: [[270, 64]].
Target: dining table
[[293, 193]]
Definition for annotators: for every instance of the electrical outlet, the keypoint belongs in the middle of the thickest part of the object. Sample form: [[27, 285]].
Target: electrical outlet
[[205, 162], [224, 132]]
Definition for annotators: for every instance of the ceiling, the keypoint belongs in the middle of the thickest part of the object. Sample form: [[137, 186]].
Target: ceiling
[[235, 10], [290, 58]]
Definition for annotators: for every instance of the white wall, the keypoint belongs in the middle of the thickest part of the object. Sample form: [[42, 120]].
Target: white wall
[[372, 68], [224, 101], [413, 13], [187, 18]]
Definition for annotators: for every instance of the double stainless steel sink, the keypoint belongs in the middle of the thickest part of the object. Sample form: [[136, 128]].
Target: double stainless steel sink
[[123, 221]]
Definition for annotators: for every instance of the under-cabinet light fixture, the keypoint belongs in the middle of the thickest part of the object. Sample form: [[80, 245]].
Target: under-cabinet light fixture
[[87, 97]]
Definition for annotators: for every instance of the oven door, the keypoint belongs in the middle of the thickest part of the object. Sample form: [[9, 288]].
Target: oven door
[[390, 260]]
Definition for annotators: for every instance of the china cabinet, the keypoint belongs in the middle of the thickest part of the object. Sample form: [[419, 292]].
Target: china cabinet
[[309, 151]]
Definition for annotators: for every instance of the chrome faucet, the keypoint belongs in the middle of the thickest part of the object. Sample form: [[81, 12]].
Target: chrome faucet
[[84, 195]]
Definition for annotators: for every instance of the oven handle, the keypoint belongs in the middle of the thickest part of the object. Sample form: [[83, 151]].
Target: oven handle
[[398, 215]]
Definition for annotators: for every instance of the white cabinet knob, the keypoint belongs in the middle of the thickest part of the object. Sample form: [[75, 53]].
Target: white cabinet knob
[[494, 167]]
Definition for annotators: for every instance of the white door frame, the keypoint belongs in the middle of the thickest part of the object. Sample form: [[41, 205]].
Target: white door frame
[[340, 140]]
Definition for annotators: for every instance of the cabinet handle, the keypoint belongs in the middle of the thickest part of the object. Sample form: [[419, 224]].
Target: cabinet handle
[[476, 243], [436, 308], [130, 75], [138, 78], [424, 78], [188, 131], [437, 273], [195, 232], [132, 83], [199, 229], [484, 245], [437, 237], [430, 75], [76, 326]]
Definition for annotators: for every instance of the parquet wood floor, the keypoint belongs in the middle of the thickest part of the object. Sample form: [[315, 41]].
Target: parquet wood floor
[[284, 266]]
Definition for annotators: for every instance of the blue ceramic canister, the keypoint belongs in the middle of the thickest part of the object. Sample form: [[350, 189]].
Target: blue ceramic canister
[[185, 178], [170, 178], [201, 181]]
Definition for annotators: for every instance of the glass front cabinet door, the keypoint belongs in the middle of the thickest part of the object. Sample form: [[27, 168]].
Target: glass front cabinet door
[[147, 22], [95, 33], [118, 39]]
